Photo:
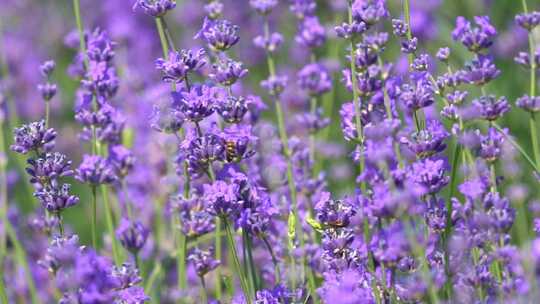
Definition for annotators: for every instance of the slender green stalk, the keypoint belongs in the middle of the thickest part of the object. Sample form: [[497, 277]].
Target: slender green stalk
[[153, 277], [162, 38], [418, 115], [277, 272], [236, 261], [356, 97], [3, 294], [93, 220], [218, 255], [22, 259], [3, 211], [204, 297], [80, 29], [532, 120], [285, 146], [110, 224], [181, 252], [518, 147]]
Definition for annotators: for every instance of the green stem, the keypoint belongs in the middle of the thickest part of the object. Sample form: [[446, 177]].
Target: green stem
[[518, 147], [285, 144], [236, 261], [93, 221], [162, 38], [218, 255], [204, 297], [448, 227], [277, 272], [3, 211], [80, 29], [22, 258], [110, 224], [356, 101], [181, 252], [3, 294], [47, 113], [534, 138]]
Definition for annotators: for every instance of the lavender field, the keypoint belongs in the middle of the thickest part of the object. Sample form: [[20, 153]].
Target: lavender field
[[269, 151]]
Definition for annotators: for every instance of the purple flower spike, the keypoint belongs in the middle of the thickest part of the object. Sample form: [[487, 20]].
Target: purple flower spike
[[490, 107], [429, 141], [33, 137], [155, 8], [429, 175], [275, 84], [203, 261], [132, 234], [198, 103], [475, 38], [122, 159], [179, 64], [334, 213], [303, 8], [263, 7], [481, 71], [528, 21], [47, 68], [219, 34], [491, 144], [529, 104], [233, 109], [95, 170], [47, 90], [269, 44], [228, 71], [56, 199], [222, 199], [443, 54], [48, 168], [314, 78], [311, 33]]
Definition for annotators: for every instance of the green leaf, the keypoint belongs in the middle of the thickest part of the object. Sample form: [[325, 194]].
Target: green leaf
[[314, 224]]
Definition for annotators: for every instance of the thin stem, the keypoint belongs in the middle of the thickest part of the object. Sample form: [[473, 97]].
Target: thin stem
[[277, 272], [153, 276], [448, 227], [110, 224], [181, 252], [218, 254], [3, 294], [518, 147], [356, 101], [236, 261], [22, 258], [47, 113], [60, 224], [534, 138], [285, 143], [3, 211], [93, 221], [162, 38], [204, 297], [80, 29]]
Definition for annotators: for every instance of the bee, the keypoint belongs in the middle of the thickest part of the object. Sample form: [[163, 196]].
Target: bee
[[231, 151]]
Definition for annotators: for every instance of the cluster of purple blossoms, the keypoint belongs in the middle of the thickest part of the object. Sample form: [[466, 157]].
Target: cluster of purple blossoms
[[424, 201]]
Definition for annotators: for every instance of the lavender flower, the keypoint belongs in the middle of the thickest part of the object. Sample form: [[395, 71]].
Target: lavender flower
[[263, 7], [275, 84], [303, 8], [48, 169], [428, 141], [132, 234], [528, 21], [311, 33], [528, 103], [56, 199], [197, 103], [332, 213], [270, 43], [314, 78], [399, 28], [47, 68], [122, 159], [481, 71], [179, 64], [491, 144], [219, 34], [227, 72], [95, 170], [222, 199], [203, 261], [201, 152], [443, 54], [33, 137], [475, 38], [155, 8], [490, 107], [47, 90], [429, 175]]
